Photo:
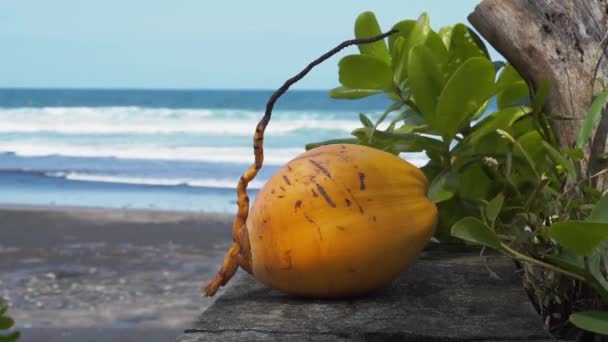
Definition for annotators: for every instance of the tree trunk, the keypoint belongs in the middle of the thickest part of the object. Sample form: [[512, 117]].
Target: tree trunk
[[562, 41]]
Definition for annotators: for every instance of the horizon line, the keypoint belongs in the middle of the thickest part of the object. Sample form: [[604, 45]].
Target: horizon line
[[2, 88]]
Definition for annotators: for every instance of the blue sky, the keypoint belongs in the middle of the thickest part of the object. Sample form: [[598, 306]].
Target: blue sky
[[187, 43]]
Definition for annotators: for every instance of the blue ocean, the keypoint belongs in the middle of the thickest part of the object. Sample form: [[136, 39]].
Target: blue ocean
[[157, 149]]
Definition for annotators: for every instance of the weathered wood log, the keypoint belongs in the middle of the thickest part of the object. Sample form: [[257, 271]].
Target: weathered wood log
[[562, 41], [447, 295]]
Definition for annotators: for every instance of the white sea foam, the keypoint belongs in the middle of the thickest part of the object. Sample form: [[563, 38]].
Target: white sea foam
[[206, 183], [219, 183], [136, 120], [240, 155], [191, 182]]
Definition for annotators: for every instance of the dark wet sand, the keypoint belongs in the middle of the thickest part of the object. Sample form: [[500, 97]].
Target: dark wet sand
[[107, 275]]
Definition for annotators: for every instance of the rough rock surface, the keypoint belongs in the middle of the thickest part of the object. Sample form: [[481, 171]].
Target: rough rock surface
[[443, 297]]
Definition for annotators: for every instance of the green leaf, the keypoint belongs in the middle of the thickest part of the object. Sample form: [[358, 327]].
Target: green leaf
[[412, 122], [403, 142], [595, 268], [411, 34], [481, 110], [462, 47], [442, 187], [351, 94], [541, 96], [365, 72], [593, 193], [450, 212], [511, 88], [367, 26], [529, 146], [594, 321], [512, 95], [332, 142], [395, 106], [474, 183], [6, 323], [417, 35], [440, 53], [508, 76], [419, 32], [581, 237], [365, 120], [575, 154], [479, 42], [404, 27], [458, 101], [494, 206], [569, 262], [446, 35], [600, 211], [399, 63], [471, 229], [592, 119], [426, 81], [500, 120], [558, 158]]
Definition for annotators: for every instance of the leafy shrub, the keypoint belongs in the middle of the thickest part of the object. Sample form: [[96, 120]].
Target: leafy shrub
[[6, 323], [499, 179]]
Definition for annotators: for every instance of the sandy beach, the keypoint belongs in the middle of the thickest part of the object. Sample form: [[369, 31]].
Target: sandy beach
[[88, 274]]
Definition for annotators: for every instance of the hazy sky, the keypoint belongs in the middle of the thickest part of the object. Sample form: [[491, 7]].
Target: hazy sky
[[187, 43]]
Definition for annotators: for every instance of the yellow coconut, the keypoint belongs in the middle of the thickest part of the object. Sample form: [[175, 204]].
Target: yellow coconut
[[339, 220]]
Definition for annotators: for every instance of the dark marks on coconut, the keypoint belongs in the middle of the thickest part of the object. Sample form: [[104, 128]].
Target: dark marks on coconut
[[325, 195], [287, 180], [311, 221], [320, 167], [286, 260], [361, 181], [355, 200]]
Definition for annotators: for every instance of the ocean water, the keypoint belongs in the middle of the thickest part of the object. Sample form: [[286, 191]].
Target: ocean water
[[173, 149]]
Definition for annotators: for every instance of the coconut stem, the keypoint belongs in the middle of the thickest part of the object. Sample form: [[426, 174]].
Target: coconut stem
[[226, 272], [239, 253]]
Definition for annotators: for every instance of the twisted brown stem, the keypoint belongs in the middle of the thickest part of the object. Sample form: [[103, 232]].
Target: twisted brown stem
[[239, 253]]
